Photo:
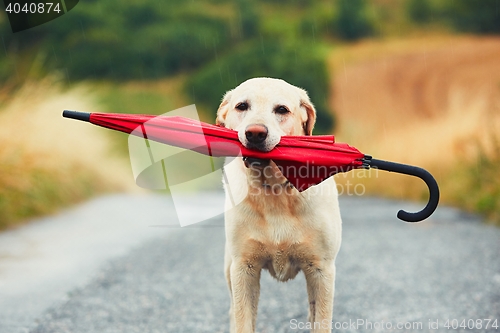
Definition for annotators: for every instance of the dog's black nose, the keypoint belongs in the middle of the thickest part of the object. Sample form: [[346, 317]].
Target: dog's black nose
[[256, 133]]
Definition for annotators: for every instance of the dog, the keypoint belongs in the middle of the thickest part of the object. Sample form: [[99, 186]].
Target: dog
[[273, 226]]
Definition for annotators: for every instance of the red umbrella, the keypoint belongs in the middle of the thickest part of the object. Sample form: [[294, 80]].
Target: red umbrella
[[319, 155]]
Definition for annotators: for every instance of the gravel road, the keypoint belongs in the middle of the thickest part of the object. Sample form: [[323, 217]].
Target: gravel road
[[121, 264]]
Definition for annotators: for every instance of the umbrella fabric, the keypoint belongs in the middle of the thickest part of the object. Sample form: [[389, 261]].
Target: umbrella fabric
[[304, 160]]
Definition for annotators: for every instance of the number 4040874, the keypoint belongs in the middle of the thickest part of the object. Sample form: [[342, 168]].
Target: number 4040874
[[472, 324], [33, 8]]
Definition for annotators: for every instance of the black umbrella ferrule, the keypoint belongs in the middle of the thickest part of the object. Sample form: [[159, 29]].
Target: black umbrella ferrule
[[412, 171], [84, 116]]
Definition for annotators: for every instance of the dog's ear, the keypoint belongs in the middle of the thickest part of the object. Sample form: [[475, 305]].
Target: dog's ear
[[223, 109], [305, 103]]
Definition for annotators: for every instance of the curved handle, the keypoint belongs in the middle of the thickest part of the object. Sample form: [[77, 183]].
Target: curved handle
[[417, 172]]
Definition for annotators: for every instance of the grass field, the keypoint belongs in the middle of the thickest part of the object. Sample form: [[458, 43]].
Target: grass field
[[428, 101], [48, 162]]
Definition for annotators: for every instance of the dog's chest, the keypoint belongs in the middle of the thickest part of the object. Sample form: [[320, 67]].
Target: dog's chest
[[284, 260], [278, 235], [283, 264]]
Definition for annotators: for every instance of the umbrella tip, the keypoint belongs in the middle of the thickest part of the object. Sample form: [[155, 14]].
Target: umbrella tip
[[84, 116]]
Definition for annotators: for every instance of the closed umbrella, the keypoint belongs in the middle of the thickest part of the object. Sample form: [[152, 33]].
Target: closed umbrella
[[319, 156]]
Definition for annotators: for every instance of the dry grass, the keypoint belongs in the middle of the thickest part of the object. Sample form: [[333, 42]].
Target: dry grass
[[433, 102], [48, 161]]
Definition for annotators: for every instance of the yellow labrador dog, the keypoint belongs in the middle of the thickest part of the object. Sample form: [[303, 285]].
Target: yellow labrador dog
[[274, 226]]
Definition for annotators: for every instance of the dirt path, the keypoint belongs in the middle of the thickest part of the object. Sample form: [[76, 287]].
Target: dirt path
[[101, 267]]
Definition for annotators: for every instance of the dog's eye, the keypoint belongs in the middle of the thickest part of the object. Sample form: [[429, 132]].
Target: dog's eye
[[281, 109], [242, 106]]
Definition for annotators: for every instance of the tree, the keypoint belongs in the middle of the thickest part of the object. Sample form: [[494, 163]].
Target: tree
[[352, 22], [419, 11], [478, 16]]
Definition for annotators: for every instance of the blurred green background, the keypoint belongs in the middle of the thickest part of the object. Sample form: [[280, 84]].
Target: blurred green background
[[153, 56]]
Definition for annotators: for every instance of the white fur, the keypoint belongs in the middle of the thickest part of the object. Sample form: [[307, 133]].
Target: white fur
[[274, 226]]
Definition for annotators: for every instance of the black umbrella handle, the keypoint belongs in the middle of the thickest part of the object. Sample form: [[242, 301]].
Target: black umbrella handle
[[412, 171]]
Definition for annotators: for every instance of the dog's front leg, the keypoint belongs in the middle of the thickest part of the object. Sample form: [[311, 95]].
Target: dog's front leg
[[245, 286], [320, 280]]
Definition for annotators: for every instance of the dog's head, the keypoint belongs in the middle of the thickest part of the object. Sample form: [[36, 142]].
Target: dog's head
[[264, 109]]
